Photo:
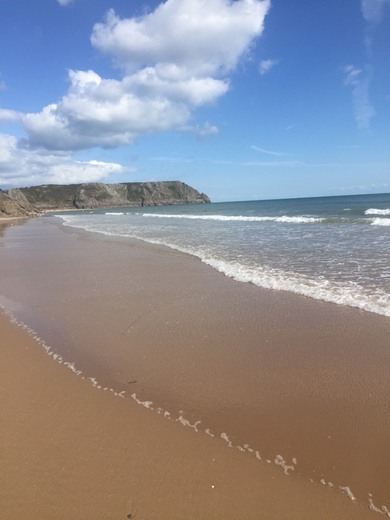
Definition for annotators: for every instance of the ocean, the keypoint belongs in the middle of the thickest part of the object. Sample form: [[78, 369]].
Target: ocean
[[335, 249]]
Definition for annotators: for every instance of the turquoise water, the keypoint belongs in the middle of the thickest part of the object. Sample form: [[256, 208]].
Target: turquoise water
[[335, 249]]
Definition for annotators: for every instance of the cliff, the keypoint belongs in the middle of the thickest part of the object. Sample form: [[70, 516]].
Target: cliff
[[14, 207], [99, 195]]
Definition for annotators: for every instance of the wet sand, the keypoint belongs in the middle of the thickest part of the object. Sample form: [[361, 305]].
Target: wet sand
[[271, 373]]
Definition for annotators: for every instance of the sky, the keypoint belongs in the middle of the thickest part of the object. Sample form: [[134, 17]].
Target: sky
[[241, 99]]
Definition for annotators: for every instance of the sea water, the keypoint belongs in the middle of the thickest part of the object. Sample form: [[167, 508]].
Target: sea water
[[335, 249]]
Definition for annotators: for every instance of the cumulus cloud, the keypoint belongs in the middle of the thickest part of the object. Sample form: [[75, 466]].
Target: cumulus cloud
[[174, 60], [266, 65], [359, 81], [108, 113], [10, 115], [196, 37], [84, 171], [21, 166]]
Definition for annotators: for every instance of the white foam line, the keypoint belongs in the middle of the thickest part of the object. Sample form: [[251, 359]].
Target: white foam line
[[324, 483], [291, 283], [279, 280], [383, 510], [145, 404], [380, 222], [375, 211], [279, 461], [54, 355], [348, 492], [225, 437], [186, 422], [303, 219]]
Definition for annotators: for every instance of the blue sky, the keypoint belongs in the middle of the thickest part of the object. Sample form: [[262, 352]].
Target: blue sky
[[244, 99]]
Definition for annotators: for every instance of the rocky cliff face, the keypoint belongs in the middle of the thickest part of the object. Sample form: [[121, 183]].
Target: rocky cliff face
[[14, 207], [99, 195]]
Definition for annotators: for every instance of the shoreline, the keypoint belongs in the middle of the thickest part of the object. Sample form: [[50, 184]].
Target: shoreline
[[74, 452], [144, 295]]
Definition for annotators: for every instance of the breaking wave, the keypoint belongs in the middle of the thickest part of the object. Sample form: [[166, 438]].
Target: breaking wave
[[381, 222], [239, 218], [374, 211]]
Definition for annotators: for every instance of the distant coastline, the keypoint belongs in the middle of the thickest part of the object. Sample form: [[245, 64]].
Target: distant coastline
[[23, 202]]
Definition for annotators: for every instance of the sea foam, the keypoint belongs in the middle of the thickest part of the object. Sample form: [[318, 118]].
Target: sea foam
[[239, 218], [375, 211], [343, 291], [380, 222]]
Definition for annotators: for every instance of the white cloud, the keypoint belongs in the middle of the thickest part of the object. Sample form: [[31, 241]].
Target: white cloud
[[266, 65], [206, 130], [373, 10], [172, 60], [373, 13], [198, 37], [364, 111], [22, 166], [359, 80], [352, 75], [10, 115], [202, 131], [108, 113], [175, 60], [84, 171]]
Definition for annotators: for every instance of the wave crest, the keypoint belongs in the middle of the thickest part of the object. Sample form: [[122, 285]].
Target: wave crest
[[375, 211], [240, 218], [380, 222]]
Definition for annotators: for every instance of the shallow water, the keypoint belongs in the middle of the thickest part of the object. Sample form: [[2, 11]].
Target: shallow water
[[336, 249]]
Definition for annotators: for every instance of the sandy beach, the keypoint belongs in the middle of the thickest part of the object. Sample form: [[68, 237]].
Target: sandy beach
[[222, 400]]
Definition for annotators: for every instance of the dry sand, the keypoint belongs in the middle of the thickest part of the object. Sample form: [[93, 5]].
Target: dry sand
[[274, 370]]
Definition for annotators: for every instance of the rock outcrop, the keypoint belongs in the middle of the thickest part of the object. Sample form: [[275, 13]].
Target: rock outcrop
[[99, 195], [17, 196], [10, 207]]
